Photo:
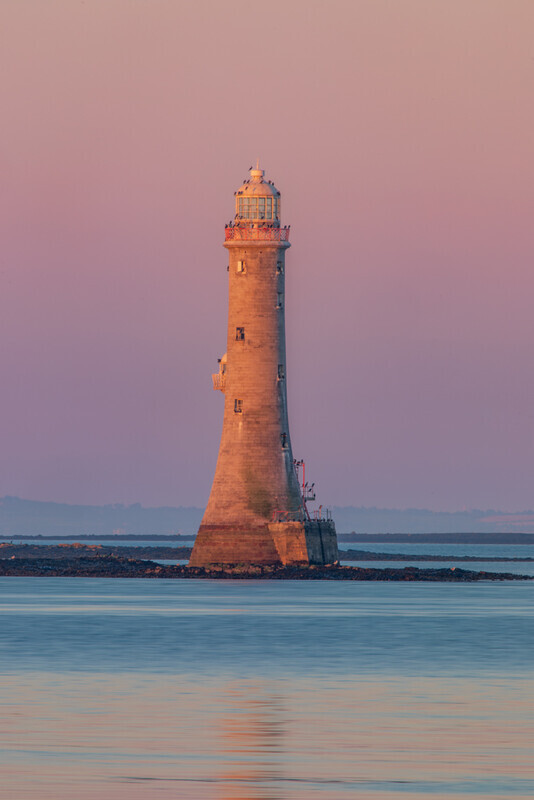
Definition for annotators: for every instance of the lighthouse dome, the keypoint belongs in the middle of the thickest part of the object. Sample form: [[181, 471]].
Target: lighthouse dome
[[258, 199]]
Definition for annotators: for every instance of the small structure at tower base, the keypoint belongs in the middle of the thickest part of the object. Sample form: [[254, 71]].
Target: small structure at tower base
[[275, 543]]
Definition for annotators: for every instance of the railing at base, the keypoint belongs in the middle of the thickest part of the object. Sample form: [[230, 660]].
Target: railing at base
[[288, 516], [319, 515]]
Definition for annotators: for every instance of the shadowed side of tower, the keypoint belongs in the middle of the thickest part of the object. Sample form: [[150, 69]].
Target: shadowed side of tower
[[256, 513]]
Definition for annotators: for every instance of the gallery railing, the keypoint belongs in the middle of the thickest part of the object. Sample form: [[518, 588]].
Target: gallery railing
[[263, 234]]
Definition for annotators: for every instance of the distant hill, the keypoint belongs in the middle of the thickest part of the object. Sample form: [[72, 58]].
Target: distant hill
[[417, 520], [30, 517], [465, 537]]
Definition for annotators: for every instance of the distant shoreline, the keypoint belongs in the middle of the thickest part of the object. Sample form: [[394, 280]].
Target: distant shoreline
[[94, 537], [70, 551], [439, 538]]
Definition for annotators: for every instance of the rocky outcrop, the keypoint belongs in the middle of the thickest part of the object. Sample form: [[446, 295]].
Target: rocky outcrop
[[110, 566], [77, 550]]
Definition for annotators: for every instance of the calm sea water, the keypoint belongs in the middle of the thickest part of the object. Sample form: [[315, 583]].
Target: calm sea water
[[256, 690]]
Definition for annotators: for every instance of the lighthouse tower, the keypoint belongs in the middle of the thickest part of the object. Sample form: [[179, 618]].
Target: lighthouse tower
[[257, 513]]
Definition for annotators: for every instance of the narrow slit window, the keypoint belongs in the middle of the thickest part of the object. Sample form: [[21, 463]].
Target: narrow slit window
[[279, 268], [240, 334], [241, 266], [283, 440], [238, 406], [281, 372]]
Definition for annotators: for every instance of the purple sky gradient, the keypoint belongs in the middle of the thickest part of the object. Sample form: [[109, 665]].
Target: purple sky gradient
[[401, 136]]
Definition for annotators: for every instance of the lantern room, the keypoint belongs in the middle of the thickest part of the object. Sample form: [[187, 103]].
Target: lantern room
[[257, 201]]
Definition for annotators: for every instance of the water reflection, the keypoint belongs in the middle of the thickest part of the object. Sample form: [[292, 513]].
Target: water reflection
[[138, 738], [252, 734]]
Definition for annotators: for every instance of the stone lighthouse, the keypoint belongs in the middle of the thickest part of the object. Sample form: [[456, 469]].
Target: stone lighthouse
[[257, 511]]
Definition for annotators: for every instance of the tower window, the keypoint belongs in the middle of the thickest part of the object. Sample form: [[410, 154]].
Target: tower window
[[279, 268], [240, 334], [283, 440], [281, 372], [280, 298], [238, 406], [241, 266]]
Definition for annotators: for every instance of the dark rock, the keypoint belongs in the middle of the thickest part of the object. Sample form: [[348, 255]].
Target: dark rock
[[113, 566]]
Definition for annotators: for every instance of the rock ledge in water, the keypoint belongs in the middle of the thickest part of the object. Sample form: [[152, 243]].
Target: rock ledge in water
[[110, 566]]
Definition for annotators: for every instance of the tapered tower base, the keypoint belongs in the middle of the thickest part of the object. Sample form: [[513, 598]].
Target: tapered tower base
[[276, 543]]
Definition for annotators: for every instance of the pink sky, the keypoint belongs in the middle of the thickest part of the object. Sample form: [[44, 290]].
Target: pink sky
[[401, 136]]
